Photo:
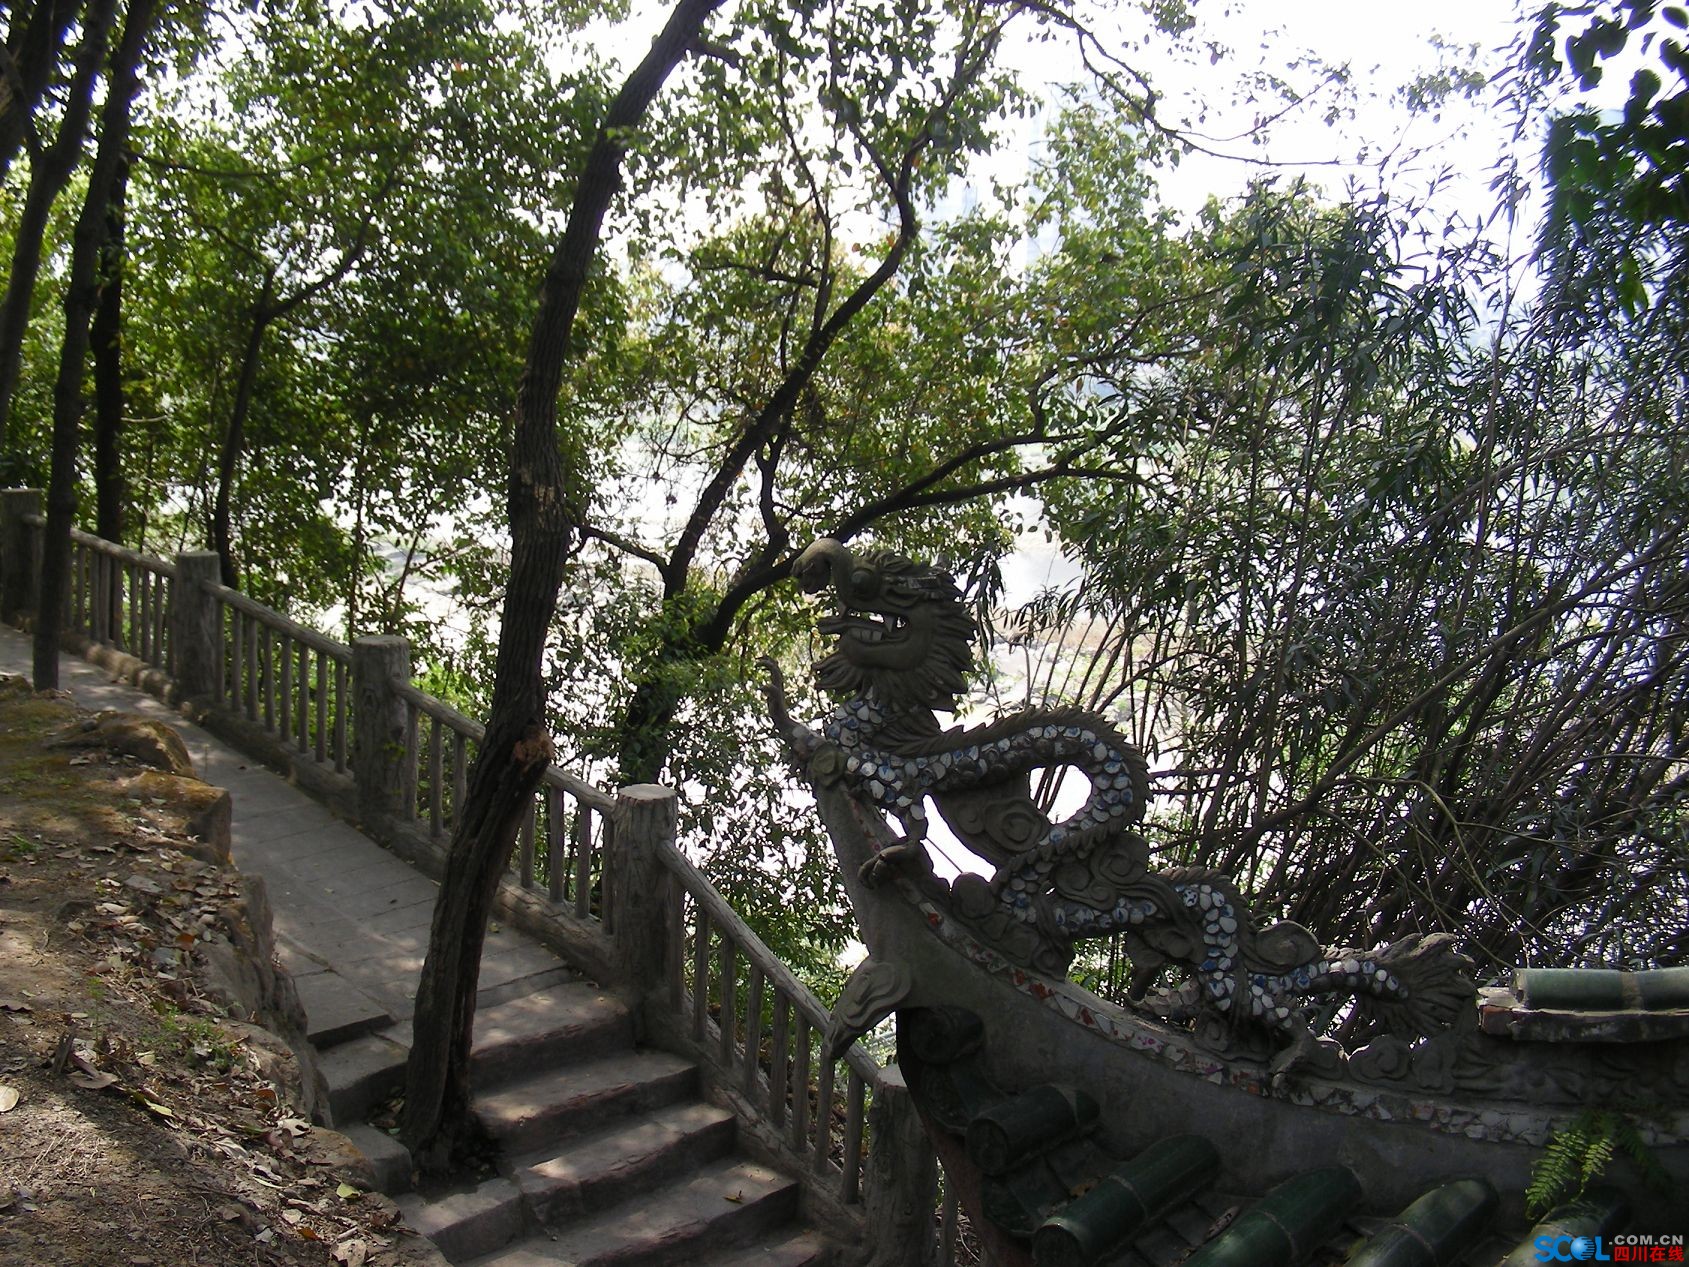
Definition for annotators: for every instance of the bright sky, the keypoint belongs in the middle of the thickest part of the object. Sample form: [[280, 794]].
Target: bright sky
[[1384, 46]]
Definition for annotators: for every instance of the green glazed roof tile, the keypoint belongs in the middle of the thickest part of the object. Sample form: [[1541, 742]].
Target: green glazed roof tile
[[1435, 1230], [1286, 1225]]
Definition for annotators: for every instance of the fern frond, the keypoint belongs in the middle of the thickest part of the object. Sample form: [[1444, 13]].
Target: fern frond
[[1597, 1151], [1636, 1148], [1580, 1152], [1556, 1174]]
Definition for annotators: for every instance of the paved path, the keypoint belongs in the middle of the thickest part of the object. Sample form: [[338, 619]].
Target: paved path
[[351, 918]]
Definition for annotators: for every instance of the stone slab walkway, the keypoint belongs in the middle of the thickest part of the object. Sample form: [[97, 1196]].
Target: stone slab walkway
[[351, 919]]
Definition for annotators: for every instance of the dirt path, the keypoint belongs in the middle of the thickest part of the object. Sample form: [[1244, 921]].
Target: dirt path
[[141, 1124]]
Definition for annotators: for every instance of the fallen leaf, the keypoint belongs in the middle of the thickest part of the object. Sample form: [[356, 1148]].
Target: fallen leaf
[[292, 1216], [294, 1126], [99, 1080], [347, 1192], [737, 1198], [230, 1149], [307, 1234], [14, 1005], [163, 1110], [8, 1099], [351, 1252]]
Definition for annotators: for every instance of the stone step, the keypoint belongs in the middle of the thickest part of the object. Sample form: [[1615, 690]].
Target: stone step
[[517, 987], [563, 1023], [725, 1204], [336, 1011], [389, 1160], [360, 1074], [469, 1222], [596, 1171], [778, 1248], [559, 1104]]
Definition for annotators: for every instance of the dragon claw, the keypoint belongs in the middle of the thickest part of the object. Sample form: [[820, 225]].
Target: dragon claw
[[887, 862]]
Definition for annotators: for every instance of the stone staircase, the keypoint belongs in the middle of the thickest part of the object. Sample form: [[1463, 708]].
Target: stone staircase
[[609, 1155]]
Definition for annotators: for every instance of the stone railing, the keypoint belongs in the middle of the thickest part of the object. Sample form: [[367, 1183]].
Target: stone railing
[[597, 876]]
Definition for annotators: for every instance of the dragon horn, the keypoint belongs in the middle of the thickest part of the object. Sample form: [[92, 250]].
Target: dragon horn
[[819, 561]]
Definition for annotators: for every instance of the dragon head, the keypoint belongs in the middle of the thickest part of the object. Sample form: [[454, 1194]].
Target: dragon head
[[901, 630]]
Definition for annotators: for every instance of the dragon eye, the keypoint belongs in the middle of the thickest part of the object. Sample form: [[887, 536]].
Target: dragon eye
[[861, 579]]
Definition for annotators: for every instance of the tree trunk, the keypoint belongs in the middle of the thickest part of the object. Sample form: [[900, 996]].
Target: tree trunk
[[34, 43], [544, 508], [266, 311], [124, 83], [234, 435], [107, 335], [47, 179], [643, 734]]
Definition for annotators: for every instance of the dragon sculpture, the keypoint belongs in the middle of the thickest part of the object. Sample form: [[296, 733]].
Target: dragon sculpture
[[903, 649]]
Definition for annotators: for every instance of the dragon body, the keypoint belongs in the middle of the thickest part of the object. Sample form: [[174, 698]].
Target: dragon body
[[903, 649]]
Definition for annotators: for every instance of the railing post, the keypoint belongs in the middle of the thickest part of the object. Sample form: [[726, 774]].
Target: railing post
[[381, 760], [17, 552], [196, 634], [644, 817], [900, 1185]]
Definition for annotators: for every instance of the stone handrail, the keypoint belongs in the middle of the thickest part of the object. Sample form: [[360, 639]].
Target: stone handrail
[[252, 654], [777, 1087], [474, 732], [599, 877]]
